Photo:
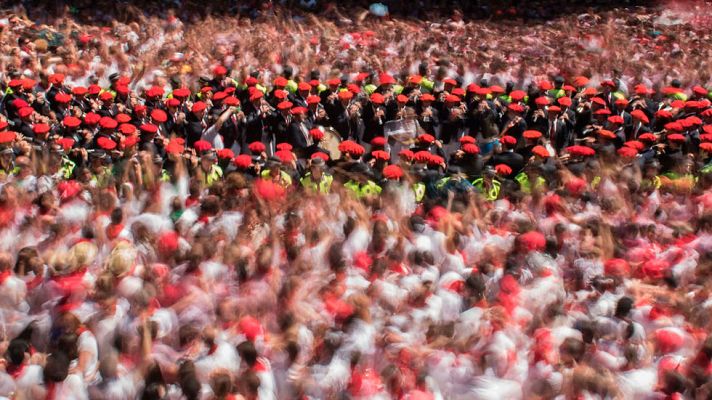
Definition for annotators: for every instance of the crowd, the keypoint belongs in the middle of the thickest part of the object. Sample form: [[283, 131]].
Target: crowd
[[346, 207]]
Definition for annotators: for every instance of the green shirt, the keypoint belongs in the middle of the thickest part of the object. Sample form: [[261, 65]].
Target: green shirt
[[490, 194], [321, 187], [369, 188]]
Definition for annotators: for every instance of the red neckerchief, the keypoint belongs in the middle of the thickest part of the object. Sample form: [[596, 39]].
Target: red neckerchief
[[34, 282], [191, 201], [51, 388], [259, 366], [71, 282], [113, 231], [4, 275], [16, 370]]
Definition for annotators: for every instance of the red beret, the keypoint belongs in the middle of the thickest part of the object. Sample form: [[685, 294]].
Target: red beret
[[94, 89], [92, 118], [467, 139], [544, 85], [615, 119], [450, 81], [647, 137], [18, 103], [406, 154], [25, 112], [353, 88], [503, 169], [666, 339], [15, 83], [225, 153], [286, 156], [314, 83], [284, 146], [139, 108], [706, 147], [621, 102], [470, 148], [385, 79], [472, 88], [256, 147], [148, 128], [518, 95], [304, 86], [321, 155], [334, 82], [542, 101], [172, 102], [202, 145], [173, 147], [71, 122], [637, 145], [123, 118], [627, 152], [640, 115], [345, 95], [569, 88], [298, 110], [122, 90], [155, 91], [580, 151], [66, 143], [427, 97], [589, 91], [129, 141], [106, 96], [402, 98], [514, 107], [206, 89], [280, 81], [426, 138], [127, 129], [220, 70], [316, 134], [3, 125], [198, 106], [564, 101], [351, 147], [415, 79], [451, 98], [707, 129], [40, 129], [28, 84], [379, 141], [602, 111], [677, 104], [56, 79], [606, 134], [540, 151], [599, 101], [496, 89], [663, 114], [243, 161], [62, 98], [531, 134], [676, 137], [392, 172], [377, 98], [251, 81], [285, 105], [106, 143], [159, 115], [231, 101], [380, 155], [580, 81], [108, 123], [674, 126], [7, 137], [123, 81], [508, 140], [281, 94], [460, 92], [313, 99], [181, 93], [555, 109]]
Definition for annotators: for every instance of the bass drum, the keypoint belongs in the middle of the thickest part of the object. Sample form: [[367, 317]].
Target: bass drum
[[331, 142]]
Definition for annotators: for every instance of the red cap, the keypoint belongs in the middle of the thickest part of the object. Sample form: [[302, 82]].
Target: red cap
[[615, 119], [280, 81], [427, 97], [172, 102], [286, 156], [198, 106], [676, 137], [532, 241], [606, 134], [94, 89], [129, 141], [531, 134], [92, 118], [451, 98], [243, 161], [123, 118], [554, 109], [71, 121], [181, 93], [321, 155], [564, 101], [599, 101], [106, 143], [460, 92], [426, 138], [219, 96], [385, 79], [467, 139], [503, 169], [231, 101], [602, 111], [518, 95], [25, 112], [159, 115], [470, 148], [202, 145], [617, 267], [508, 140], [40, 129], [496, 89], [515, 107], [108, 123], [149, 128], [56, 79], [351, 147], [316, 134], [542, 101], [298, 110], [627, 152], [637, 145], [256, 147], [647, 137], [640, 115], [402, 98], [580, 81], [285, 105], [377, 98], [544, 85], [154, 91], [450, 81], [580, 151], [284, 146], [225, 153], [66, 143], [127, 129], [220, 70], [304, 86], [62, 98], [392, 172], [28, 84], [541, 151], [381, 155], [345, 95], [406, 154], [334, 82], [106, 96]]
